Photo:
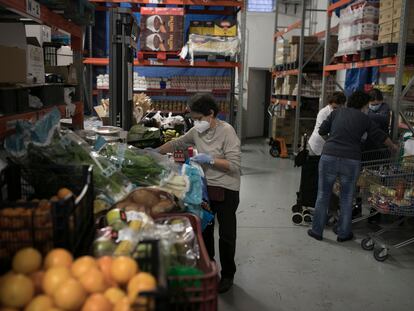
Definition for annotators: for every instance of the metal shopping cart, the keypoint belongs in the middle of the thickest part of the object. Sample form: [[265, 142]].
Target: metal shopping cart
[[390, 186]]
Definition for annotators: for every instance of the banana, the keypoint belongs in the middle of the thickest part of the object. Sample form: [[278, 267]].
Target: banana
[[123, 249]]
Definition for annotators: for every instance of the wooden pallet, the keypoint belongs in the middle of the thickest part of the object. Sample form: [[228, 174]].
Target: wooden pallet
[[348, 58]]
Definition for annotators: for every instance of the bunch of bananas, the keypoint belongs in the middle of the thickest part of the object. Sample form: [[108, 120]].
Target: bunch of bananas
[[170, 135]]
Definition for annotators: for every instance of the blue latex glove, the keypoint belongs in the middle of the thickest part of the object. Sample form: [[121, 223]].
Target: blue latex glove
[[202, 158]]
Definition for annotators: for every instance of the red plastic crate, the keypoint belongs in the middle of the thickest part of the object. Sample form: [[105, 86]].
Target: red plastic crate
[[204, 296]]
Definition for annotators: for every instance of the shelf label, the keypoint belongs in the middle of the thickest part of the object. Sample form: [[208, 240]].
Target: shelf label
[[33, 8], [155, 63], [156, 1]]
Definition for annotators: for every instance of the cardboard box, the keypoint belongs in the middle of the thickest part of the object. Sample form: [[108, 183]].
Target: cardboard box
[[308, 51], [35, 62], [225, 28], [208, 28], [13, 65], [386, 4], [397, 13], [308, 39], [13, 47], [43, 33], [410, 36], [385, 29], [197, 27], [161, 41], [385, 38], [162, 20], [386, 16]]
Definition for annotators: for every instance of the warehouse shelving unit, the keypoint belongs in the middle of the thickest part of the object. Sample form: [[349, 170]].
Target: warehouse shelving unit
[[394, 65], [297, 102], [48, 17], [171, 59]]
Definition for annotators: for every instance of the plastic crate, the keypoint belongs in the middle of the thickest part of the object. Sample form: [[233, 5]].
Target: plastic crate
[[66, 223], [196, 293]]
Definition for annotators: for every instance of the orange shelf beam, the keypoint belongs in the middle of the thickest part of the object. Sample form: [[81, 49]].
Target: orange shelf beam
[[46, 16], [227, 3], [288, 29], [389, 61], [166, 63], [337, 5]]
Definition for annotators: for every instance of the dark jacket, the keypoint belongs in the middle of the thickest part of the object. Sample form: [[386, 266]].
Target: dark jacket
[[345, 128], [382, 118]]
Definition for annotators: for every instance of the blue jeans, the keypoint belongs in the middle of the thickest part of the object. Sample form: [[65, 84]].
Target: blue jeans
[[331, 168]]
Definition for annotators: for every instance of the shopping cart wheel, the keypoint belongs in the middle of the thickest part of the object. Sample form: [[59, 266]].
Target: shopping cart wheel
[[368, 244], [307, 218], [381, 254], [297, 208], [297, 218], [274, 152]]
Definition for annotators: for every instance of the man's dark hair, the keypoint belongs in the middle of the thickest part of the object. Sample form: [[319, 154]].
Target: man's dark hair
[[204, 104], [375, 94], [337, 98], [358, 100]]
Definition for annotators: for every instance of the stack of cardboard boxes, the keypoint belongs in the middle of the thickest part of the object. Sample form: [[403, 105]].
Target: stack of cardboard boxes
[[390, 21], [311, 45], [221, 28], [282, 53], [162, 29], [358, 27]]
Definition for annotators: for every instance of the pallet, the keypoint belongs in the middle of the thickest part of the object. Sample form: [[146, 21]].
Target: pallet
[[348, 58]]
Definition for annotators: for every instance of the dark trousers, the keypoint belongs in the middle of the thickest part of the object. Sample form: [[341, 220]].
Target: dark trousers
[[226, 216]]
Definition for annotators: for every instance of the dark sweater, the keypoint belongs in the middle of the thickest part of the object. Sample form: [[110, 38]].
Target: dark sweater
[[346, 127]]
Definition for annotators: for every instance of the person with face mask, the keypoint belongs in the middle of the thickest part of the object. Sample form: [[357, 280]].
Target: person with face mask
[[379, 112], [219, 154]]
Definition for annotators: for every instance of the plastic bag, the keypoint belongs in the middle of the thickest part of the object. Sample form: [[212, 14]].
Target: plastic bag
[[211, 45], [142, 167], [184, 245]]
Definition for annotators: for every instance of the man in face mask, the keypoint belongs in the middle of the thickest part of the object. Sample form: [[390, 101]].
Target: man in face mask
[[379, 112]]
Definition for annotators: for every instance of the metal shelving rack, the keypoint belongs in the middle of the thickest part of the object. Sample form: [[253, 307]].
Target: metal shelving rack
[[231, 7], [52, 19], [301, 24], [394, 65]]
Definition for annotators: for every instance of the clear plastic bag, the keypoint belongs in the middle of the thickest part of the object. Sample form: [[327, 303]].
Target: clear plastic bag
[[184, 248], [142, 167]]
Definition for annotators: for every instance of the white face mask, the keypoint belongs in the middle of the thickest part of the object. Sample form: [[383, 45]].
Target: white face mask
[[201, 126]]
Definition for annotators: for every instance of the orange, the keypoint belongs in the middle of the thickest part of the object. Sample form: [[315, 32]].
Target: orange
[[64, 193], [82, 265], [37, 279], [93, 281], [8, 309], [97, 302], [123, 269], [105, 264], [40, 303], [16, 290], [114, 294], [122, 305], [70, 295], [141, 282], [58, 257], [53, 309], [53, 278], [27, 260]]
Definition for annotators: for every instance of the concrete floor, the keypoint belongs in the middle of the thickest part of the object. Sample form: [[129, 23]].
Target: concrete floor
[[281, 268]]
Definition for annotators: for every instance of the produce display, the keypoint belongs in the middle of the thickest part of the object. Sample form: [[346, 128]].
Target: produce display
[[60, 282], [18, 222]]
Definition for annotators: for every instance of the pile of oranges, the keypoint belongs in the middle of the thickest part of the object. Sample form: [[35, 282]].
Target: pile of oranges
[[61, 283]]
